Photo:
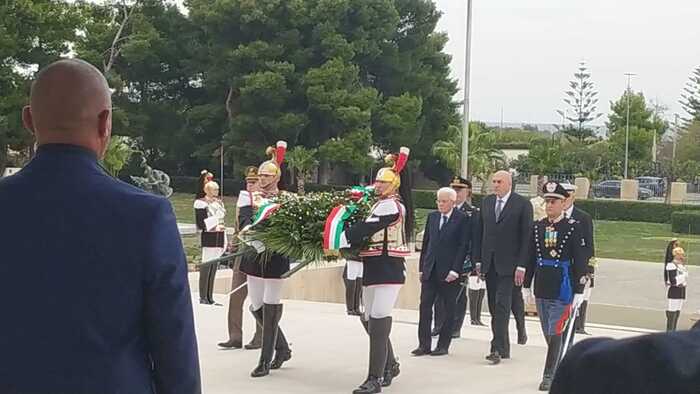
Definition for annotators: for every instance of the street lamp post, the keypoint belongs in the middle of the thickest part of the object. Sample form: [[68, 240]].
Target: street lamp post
[[464, 168], [627, 132]]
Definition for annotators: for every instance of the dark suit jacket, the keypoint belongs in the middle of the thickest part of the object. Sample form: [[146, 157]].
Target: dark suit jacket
[[504, 243], [661, 363], [586, 229], [444, 250], [95, 289]]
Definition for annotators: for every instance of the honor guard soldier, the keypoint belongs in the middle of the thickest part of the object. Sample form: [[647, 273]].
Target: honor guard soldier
[[244, 205], [209, 214], [384, 238], [264, 275], [558, 265]]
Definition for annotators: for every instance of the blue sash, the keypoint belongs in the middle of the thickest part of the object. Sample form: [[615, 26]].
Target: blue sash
[[566, 293]]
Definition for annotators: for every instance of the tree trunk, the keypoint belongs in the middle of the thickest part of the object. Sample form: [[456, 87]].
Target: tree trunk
[[3, 158], [300, 183], [324, 172]]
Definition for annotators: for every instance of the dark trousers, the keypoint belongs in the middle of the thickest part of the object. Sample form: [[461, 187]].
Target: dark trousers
[[518, 309], [500, 295], [429, 291], [460, 310]]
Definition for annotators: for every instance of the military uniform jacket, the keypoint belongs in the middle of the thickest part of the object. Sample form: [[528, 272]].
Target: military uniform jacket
[[677, 280], [267, 266], [556, 255], [203, 210], [384, 259], [587, 231]]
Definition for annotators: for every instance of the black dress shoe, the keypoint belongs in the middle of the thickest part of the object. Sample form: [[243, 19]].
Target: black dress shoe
[[420, 352], [390, 373], [230, 344], [582, 331], [439, 352], [546, 383], [370, 386], [522, 339], [204, 302], [455, 335], [494, 358]]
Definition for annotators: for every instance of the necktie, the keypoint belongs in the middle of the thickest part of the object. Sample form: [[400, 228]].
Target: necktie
[[499, 208], [443, 221]]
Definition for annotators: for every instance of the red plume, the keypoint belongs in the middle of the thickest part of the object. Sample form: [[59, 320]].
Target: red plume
[[280, 152], [402, 160]]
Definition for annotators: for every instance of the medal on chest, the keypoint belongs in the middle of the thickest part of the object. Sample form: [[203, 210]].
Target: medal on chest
[[550, 237]]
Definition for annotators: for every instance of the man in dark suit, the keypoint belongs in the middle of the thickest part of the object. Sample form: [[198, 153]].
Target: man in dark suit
[[571, 211], [441, 263], [506, 221], [661, 363], [110, 308]]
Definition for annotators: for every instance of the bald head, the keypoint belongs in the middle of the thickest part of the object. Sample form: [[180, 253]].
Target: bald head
[[70, 104], [502, 183]]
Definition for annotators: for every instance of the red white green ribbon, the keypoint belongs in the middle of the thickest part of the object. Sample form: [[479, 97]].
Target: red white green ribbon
[[264, 212], [335, 222]]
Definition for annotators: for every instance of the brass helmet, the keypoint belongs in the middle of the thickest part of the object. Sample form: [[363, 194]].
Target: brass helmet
[[274, 165], [251, 173], [392, 173]]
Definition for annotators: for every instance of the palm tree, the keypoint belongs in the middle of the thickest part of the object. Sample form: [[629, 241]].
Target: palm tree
[[484, 157], [302, 161]]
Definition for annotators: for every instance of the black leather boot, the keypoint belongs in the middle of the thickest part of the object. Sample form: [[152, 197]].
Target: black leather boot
[[581, 319], [392, 368], [379, 330], [271, 316], [353, 296], [256, 341], [550, 366], [669, 320], [676, 315], [282, 351]]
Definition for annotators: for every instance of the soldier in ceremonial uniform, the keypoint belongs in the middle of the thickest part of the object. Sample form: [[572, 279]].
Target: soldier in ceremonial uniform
[[244, 204], [388, 228], [209, 215], [571, 211], [264, 275], [463, 187], [676, 281], [558, 266]]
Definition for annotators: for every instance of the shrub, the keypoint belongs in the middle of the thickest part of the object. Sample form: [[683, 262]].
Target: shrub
[[686, 222]]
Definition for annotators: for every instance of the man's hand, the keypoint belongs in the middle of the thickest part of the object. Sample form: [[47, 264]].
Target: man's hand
[[528, 296], [519, 276], [452, 276]]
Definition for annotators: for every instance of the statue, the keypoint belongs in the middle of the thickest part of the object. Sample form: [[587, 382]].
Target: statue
[[153, 181]]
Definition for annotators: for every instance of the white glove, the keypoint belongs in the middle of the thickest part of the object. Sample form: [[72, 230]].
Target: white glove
[[528, 296], [257, 245], [452, 276], [578, 300]]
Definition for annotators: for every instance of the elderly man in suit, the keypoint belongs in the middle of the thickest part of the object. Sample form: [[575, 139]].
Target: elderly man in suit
[[111, 310], [506, 220], [442, 257]]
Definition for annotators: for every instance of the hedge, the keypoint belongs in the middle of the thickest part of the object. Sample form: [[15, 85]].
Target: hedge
[[615, 210], [188, 184], [686, 222]]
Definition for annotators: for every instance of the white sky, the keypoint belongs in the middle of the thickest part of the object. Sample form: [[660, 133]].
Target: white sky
[[524, 52]]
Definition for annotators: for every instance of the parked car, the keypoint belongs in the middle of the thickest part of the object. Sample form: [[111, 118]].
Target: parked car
[[655, 184], [611, 189]]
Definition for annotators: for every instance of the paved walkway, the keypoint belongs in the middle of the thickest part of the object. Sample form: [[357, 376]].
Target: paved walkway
[[330, 356]]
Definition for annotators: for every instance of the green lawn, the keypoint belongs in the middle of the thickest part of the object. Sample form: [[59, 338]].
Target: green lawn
[[622, 240]]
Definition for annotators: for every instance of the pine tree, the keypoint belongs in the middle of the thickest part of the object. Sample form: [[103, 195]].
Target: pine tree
[[690, 98], [582, 98]]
